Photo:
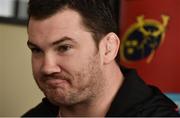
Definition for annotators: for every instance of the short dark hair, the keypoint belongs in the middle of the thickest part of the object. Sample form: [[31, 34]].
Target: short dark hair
[[99, 16]]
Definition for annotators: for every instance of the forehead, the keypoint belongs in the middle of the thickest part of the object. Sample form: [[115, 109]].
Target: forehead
[[63, 19], [65, 23]]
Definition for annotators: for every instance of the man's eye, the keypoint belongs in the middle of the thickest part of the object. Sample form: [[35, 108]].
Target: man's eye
[[35, 50], [64, 48]]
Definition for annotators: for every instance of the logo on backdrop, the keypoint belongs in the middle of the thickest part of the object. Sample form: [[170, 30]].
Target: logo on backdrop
[[142, 39]]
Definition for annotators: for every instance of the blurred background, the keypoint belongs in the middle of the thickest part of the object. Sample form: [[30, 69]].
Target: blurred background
[[18, 91], [150, 38], [159, 66]]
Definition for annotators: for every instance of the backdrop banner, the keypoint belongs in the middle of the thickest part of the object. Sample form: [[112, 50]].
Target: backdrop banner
[[150, 41]]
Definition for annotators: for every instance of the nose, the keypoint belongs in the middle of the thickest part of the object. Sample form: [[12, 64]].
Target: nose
[[50, 65]]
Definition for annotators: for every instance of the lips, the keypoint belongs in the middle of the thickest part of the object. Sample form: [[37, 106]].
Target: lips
[[55, 80], [54, 83]]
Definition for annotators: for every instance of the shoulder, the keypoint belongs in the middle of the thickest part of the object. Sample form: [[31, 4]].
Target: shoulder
[[141, 99], [157, 105], [44, 109]]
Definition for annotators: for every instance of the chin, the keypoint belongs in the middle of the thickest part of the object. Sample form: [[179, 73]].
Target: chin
[[59, 100], [57, 97]]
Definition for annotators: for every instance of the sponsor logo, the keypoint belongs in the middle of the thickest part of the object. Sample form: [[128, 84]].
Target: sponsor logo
[[142, 39]]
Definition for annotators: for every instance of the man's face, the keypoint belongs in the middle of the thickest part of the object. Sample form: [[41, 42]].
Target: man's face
[[65, 61]]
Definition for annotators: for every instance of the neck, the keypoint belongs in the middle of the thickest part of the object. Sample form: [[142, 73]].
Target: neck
[[101, 103]]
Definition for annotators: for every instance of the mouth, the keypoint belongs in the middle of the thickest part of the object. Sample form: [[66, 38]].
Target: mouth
[[55, 83]]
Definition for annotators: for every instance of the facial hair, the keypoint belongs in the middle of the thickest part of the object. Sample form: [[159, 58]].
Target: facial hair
[[84, 85]]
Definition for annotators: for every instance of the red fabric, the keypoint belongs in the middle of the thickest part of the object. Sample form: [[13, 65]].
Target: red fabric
[[164, 68]]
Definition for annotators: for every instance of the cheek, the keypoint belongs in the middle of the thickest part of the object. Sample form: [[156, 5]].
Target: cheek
[[36, 65], [83, 74]]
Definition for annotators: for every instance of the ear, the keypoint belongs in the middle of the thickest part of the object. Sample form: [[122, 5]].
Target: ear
[[110, 46]]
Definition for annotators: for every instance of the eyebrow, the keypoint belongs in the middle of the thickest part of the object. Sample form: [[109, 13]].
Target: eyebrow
[[63, 39], [29, 43]]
